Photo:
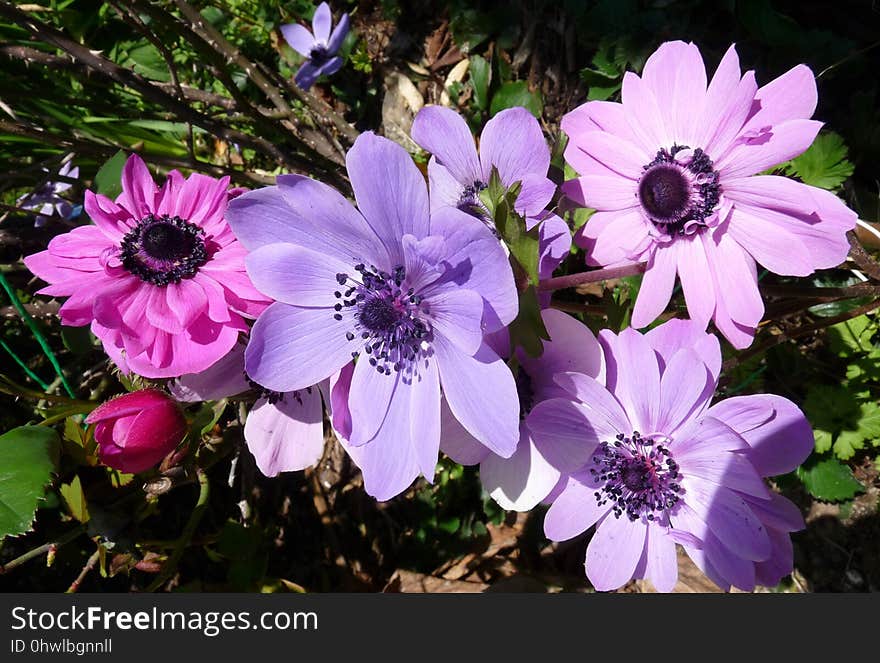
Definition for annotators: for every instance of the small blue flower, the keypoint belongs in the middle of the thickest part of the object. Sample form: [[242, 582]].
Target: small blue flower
[[319, 46], [47, 199]]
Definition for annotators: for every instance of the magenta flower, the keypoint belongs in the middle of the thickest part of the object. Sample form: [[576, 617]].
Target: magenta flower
[[319, 46], [406, 293], [160, 276], [672, 173], [656, 465], [511, 141], [136, 431], [284, 431], [527, 477]]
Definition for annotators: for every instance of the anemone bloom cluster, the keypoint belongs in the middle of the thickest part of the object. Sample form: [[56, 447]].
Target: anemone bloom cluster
[[392, 314]]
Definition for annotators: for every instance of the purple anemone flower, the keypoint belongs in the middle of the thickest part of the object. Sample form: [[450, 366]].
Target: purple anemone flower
[[284, 431], [520, 482], [656, 465], [407, 294], [511, 141], [319, 46], [672, 173], [48, 201]]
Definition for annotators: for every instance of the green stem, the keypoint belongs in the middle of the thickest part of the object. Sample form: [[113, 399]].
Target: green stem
[[187, 534], [45, 548], [33, 376], [35, 330]]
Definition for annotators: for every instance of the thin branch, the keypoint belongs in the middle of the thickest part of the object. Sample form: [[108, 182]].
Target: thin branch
[[93, 561], [862, 258], [42, 550], [572, 280]]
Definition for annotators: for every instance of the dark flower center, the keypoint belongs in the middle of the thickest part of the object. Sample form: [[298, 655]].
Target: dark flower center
[[164, 250], [524, 390], [273, 397], [388, 318], [638, 477], [679, 189], [319, 55]]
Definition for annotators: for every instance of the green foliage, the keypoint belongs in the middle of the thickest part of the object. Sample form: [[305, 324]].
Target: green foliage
[[824, 164], [829, 480], [108, 179], [517, 93], [481, 77], [28, 457]]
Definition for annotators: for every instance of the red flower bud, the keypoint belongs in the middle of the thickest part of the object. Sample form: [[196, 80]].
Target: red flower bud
[[135, 431]]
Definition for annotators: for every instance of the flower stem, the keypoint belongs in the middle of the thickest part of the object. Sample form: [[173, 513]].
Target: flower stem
[[40, 550], [187, 534], [33, 376], [593, 276], [35, 330]]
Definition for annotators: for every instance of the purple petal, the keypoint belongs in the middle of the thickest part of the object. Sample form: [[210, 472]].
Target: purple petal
[[554, 244], [456, 315], [753, 154], [606, 415], [536, 193], [612, 238], [520, 482], [389, 462], [296, 275], [445, 190], [778, 513], [481, 394], [425, 417], [643, 115], [696, 279], [444, 133], [736, 570], [731, 470], [390, 191], [662, 563], [370, 395], [686, 387], [340, 387], [791, 96], [657, 287], [330, 67], [729, 517], [616, 154], [818, 218], [774, 247], [771, 571], [303, 211], [338, 35], [575, 509], [565, 433], [614, 552], [456, 442], [778, 444], [322, 21], [512, 142], [291, 348], [288, 435], [572, 348], [222, 379], [677, 334], [299, 38], [477, 262], [606, 194], [637, 380], [307, 74]]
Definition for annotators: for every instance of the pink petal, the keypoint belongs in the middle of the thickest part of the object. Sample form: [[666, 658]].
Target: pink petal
[[657, 285], [614, 552]]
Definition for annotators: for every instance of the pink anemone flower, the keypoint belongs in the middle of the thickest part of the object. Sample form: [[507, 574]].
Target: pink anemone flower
[[672, 173], [160, 277]]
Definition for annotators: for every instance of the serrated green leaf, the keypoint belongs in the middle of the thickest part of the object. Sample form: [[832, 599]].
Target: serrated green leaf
[[852, 336], [28, 457], [108, 179], [824, 164], [75, 499], [514, 94], [823, 440], [847, 443], [869, 423], [829, 480]]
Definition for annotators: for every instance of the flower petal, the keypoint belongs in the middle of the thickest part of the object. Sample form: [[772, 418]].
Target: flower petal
[[444, 133], [512, 142], [575, 509], [288, 435], [299, 38], [614, 552]]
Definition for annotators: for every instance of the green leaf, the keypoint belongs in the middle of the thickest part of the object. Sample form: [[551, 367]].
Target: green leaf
[[527, 330], [481, 76], [847, 443], [829, 480], [824, 165], [75, 499], [77, 339], [108, 179], [852, 336], [28, 457], [515, 94]]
